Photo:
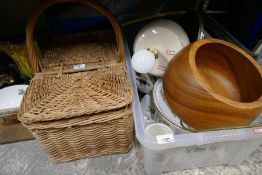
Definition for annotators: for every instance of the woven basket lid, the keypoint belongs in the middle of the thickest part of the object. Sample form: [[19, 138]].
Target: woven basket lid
[[52, 97]]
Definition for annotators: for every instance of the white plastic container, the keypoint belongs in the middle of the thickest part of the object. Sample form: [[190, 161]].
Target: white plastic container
[[10, 100], [192, 150]]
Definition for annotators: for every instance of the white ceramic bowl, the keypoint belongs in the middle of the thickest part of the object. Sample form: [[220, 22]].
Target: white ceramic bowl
[[11, 97], [164, 35], [158, 129]]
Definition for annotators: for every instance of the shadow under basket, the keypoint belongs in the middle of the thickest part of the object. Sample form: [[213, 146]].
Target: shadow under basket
[[79, 103]]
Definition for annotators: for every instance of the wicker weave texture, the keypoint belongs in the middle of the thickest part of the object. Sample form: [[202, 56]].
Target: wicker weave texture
[[54, 97], [93, 137], [72, 112], [35, 57], [67, 51]]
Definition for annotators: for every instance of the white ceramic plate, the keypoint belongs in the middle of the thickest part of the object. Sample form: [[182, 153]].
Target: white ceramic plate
[[164, 35], [163, 107], [11, 97]]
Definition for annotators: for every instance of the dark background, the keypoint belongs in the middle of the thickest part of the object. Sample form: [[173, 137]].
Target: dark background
[[241, 18]]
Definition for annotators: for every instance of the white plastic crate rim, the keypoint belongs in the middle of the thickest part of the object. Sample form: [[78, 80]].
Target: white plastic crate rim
[[192, 150], [184, 139]]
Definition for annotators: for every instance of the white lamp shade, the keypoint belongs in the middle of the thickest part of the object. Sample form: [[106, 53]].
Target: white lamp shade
[[164, 35]]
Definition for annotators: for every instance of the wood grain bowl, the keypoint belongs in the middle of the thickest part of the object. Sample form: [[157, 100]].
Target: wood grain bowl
[[213, 84]]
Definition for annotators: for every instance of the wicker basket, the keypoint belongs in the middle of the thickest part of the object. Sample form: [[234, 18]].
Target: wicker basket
[[79, 103]]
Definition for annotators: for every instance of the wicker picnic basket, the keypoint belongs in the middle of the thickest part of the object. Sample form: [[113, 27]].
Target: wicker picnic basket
[[79, 102]]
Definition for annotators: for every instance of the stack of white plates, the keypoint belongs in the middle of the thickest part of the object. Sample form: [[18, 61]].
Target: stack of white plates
[[164, 110]]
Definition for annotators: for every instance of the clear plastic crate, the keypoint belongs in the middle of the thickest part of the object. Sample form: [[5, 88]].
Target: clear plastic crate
[[192, 150]]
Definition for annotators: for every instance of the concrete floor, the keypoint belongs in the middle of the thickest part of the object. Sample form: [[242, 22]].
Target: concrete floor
[[28, 158]]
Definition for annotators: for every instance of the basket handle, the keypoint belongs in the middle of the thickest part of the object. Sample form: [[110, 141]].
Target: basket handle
[[34, 57]]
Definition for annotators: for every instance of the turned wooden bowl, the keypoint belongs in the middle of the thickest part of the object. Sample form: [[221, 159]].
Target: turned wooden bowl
[[213, 84]]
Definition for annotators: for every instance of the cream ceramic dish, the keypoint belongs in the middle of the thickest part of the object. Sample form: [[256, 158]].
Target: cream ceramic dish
[[11, 97], [165, 111], [164, 36]]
